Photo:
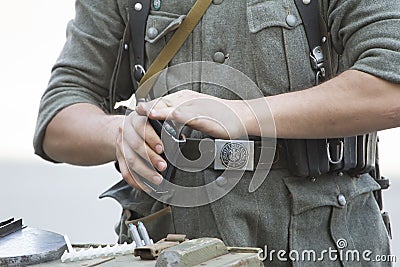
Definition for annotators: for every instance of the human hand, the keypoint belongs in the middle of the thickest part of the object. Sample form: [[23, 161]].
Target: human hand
[[138, 150], [214, 116]]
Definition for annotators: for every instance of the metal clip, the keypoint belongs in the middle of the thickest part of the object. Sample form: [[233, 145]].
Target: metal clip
[[317, 58], [319, 76], [317, 63], [328, 152], [139, 72]]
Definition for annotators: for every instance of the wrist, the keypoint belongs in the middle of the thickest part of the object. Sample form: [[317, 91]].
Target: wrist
[[112, 124], [246, 114], [256, 116]]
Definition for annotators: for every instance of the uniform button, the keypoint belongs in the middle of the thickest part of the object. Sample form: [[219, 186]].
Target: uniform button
[[221, 181], [306, 2], [291, 20], [219, 57], [217, 2], [138, 6], [341, 200], [152, 32]]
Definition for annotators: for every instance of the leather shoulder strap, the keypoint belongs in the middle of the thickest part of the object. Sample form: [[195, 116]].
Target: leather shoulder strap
[[309, 12], [138, 13]]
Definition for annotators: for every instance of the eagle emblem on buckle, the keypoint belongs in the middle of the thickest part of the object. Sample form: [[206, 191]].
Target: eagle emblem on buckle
[[234, 155]]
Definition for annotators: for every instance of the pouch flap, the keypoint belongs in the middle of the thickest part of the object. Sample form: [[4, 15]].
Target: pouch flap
[[264, 14], [160, 23], [326, 189], [132, 199]]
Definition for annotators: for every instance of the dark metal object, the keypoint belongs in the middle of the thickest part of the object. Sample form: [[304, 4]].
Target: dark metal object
[[10, 226], [30, 246]]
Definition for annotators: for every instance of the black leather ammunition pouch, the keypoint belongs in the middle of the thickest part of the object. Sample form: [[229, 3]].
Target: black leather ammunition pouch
[[314, 157]]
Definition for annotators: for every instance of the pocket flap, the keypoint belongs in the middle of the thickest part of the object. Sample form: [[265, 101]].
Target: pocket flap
[[160, 23], [326, 189], [271, 13]]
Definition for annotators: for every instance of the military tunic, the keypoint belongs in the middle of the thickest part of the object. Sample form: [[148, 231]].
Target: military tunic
[[256, 37]]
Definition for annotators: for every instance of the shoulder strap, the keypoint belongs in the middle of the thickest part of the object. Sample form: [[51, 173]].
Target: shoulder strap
[[138, 13], [174, 44], [309, 13]]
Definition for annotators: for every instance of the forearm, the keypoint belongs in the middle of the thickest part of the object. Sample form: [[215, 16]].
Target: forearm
[[82, 134], [350, 104]]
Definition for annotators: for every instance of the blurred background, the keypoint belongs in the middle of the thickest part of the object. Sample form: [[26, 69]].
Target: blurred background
[[60, 197]]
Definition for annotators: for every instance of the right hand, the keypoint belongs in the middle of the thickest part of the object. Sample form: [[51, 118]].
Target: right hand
[[138, 150]]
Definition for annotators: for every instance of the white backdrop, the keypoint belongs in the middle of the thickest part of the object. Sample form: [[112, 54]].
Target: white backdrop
[[59, 197]]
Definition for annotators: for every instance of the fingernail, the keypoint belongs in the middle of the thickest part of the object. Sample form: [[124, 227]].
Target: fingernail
[[153, 112], [139, 107], [159, 149], [161, 166], [157, 180]]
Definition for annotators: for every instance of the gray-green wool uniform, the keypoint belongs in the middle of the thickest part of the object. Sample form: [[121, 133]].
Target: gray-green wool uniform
[[285, 213]]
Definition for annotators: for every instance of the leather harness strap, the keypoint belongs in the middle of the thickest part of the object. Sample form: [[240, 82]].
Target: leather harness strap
[[309, 13], [138, 13]]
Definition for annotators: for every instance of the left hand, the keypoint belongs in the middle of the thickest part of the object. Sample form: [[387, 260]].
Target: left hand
[[219, 118]]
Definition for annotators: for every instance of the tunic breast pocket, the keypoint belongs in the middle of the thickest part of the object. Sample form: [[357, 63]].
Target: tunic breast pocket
[[280, 50], [159, 29]]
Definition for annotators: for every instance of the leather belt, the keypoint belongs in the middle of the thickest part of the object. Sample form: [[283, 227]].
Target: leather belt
[[243, 155]]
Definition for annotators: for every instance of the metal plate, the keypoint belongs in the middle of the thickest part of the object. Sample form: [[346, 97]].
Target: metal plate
[[234, 155], [30, 246], [10, 226]]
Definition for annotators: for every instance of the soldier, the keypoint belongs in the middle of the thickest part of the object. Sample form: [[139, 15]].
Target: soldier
[[266, 41]]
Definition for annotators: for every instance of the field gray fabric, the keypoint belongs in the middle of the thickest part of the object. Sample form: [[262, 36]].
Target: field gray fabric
[[286, 212]]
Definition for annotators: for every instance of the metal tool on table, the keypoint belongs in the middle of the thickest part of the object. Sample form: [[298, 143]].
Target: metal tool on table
[[140, 235], [10, 226], [23, 246]]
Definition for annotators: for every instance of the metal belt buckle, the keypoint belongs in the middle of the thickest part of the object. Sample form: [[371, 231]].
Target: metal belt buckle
[[234, 155]]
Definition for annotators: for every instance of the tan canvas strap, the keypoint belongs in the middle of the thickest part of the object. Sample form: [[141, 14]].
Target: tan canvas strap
[[175, 43]]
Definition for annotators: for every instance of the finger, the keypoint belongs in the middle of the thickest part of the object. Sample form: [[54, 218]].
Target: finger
[[126, 157], [206, 124], [149, 155], [131, 179], [162, 114], [146, 133], [145, 108], [132, 141], [126, 174], [141, 168]]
